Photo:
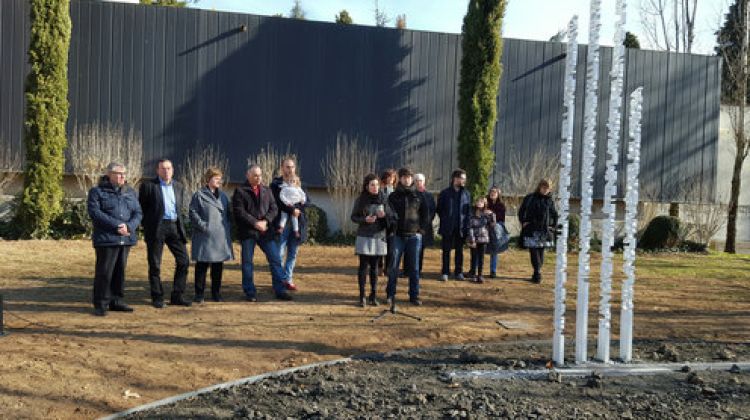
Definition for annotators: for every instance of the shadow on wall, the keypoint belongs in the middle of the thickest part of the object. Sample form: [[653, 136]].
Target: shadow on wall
[[290, 84]]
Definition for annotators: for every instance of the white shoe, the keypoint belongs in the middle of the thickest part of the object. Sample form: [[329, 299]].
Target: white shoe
[[444, 277]]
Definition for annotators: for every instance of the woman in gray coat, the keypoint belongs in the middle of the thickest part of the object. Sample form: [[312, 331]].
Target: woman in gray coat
[[212, 234]]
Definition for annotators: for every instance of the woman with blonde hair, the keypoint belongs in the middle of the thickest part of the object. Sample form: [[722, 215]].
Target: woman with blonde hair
[[212, 234]]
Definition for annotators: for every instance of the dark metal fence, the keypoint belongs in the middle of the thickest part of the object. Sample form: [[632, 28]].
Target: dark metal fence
[[188, 77]]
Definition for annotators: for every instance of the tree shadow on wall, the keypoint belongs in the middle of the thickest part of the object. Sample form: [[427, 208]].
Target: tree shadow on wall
[[294, 84]]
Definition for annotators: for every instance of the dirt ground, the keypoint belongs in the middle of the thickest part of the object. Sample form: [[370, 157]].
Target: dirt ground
[[443, 383], [59, 361]]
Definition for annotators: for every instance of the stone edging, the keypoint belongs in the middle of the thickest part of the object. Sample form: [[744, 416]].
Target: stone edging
[[242, 381]]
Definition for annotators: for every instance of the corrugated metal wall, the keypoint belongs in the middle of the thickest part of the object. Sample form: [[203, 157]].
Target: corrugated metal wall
[[187, 77]]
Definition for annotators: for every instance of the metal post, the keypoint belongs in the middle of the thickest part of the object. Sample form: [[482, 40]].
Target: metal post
[[587, 174], [610, 188], [566, 160]]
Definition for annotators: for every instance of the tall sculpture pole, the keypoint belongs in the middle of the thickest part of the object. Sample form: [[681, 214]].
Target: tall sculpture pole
[[610, 188], [631, 225], [587, 174], [566, 160]]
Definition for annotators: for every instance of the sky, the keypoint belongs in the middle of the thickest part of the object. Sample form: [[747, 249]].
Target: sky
[[524, 19]]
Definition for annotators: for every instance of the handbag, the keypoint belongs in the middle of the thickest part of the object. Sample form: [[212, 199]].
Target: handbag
[[499, 239]]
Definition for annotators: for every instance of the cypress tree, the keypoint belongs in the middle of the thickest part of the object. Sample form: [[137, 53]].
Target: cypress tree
[[46, 113], [478, 88]]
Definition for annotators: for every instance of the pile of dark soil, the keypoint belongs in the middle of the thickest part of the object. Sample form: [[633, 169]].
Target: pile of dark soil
[[418, 384]]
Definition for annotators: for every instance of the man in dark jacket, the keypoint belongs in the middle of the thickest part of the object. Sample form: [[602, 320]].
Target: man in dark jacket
[[453, 208], [254, 211], [162, 202], [288, 242], [115, 214], [411, 214]]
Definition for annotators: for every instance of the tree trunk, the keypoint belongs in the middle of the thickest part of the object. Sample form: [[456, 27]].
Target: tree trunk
[[674, 209], [731, 240]]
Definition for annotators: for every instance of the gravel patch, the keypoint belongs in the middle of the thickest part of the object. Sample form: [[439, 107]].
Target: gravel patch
[[419, 384]]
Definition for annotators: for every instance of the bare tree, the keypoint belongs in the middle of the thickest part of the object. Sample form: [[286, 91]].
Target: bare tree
[[12, 162], [344, 167], [92, 147], [700, 218], [194, 166], [400, 21], [649, 206], [669, 28], [297, 12], [381, 19], [523, 177], [269, 160], [735, 60], [419, 160]]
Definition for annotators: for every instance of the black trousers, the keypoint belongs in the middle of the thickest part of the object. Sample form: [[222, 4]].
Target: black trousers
[[537, 259], [453, 242], [201, 268], [477, 259], [368, 264], [167, 234], [109, 275]]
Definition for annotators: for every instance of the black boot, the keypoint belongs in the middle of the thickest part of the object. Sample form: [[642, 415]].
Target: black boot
[[372, 300]]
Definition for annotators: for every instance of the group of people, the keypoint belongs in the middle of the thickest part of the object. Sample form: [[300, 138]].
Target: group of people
[[273, 218], [394, 214]]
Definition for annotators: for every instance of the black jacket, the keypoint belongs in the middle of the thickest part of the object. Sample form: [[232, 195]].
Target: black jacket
[[539, 212], [110, 207], [409, 209], [428, 238], [249, 209], [363, 207], [449, 202], [152, 204]]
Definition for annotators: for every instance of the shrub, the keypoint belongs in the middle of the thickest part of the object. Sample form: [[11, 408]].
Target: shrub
[[74, 221], [317, 224], [662, 232]]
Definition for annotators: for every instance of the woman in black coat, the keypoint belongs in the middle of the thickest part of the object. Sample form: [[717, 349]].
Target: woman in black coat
[[371, 213], [538, 218]]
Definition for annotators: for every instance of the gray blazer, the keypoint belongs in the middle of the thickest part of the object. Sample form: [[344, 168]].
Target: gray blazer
[[212, 234]]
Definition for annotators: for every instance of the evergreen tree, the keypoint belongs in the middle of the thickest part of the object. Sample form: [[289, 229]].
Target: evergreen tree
[[729, 40], [46, 113], [344, 18], [631, 41], [478, 89]]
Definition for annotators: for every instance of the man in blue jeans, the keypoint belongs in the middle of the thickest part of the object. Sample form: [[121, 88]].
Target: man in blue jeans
[[411, 214], [254, 209], [289, 242]]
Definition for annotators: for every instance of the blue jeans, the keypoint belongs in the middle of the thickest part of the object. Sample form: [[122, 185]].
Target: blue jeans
[[269, 247], [408, 246], [288, 245], [493, 263]]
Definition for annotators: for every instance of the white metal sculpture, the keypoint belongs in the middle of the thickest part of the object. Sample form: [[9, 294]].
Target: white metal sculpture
[[631, 225], [566, 161], [587, 174], [610, 187]]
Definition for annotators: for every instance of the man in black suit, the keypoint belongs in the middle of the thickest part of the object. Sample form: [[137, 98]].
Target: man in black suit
[[162, 200]]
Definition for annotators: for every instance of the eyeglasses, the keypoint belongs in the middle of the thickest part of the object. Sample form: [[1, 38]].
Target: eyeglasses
[[118, 173]]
